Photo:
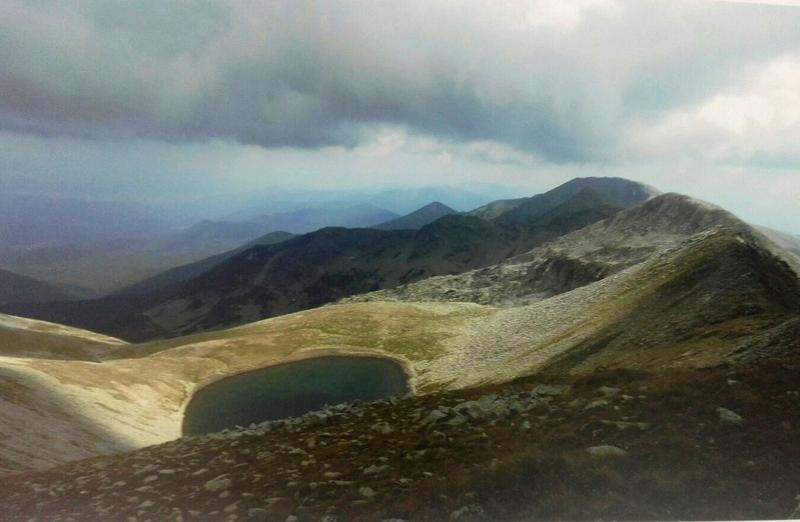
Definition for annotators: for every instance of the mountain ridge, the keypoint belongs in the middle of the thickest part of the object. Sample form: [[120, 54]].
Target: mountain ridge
[[326, 265], [419, 218]]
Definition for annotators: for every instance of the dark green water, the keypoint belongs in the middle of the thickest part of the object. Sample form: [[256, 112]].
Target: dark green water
[[289, 390]]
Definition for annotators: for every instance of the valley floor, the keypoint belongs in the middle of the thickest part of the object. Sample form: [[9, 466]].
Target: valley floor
[[718, 443]]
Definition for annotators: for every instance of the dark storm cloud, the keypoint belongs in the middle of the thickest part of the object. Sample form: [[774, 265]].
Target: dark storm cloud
[[554, 78]]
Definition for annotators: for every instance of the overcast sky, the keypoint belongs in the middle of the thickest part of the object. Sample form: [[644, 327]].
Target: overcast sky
[[150, 100]]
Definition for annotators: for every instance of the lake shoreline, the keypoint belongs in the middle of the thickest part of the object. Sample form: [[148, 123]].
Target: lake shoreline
[[248, 395]]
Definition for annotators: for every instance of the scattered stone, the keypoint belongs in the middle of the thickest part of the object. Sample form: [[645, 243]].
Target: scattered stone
[[526, 425], [292, 518], [217, 484], [580, 402], [623, 425], [149, 479], [366, 492], [433, 417], [796, 513], [609, 392], [384, 428], [597, 403], [332, 474], [552, 390], [146, 504], [470, 511], [374, 469], [457, 420], [729, 416], [606, 451]]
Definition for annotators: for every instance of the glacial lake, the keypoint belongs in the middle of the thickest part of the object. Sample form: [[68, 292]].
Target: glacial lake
[[289, 390]]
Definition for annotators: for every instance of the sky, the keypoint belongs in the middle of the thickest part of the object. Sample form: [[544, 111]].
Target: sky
[[154, 101]]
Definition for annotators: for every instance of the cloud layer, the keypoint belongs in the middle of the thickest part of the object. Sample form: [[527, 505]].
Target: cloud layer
[[580, 81]]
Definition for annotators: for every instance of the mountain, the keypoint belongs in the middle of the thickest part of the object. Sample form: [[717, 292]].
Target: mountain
[[614, 191], [786, 241], [331, 215], [180, 274], [575, 259], [419, 218], [321, 267], [16, 288], [646, 357], [107, 265]]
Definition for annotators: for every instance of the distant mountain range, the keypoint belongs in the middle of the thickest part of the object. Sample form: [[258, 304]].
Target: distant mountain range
[[326, 265], [107, 265], [313, 218]]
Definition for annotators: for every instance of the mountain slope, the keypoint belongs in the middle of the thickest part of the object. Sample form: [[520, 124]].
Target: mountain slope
[[786, 241], [326, 265], [333, 263], [715, 298], [575, 259], [20, 337], [180, 274], [15, 288], [615, 191], [419, 218]]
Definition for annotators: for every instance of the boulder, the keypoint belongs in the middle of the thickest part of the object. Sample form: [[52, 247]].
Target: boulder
[[433, 417], [217, 484], [384, 428], [469, 512], [609, 392], [606, 451], [729, 416], [366, 492]]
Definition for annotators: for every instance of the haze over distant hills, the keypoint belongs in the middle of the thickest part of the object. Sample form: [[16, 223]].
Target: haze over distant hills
[[103, 246], [107, 265], [332, 263], [15, 288], [310, 219]]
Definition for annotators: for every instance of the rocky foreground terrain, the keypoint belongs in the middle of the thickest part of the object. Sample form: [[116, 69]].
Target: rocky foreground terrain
[[717, 444]]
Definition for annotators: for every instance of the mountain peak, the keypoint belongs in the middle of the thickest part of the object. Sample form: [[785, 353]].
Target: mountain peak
[[618, 192], [419, 218]]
